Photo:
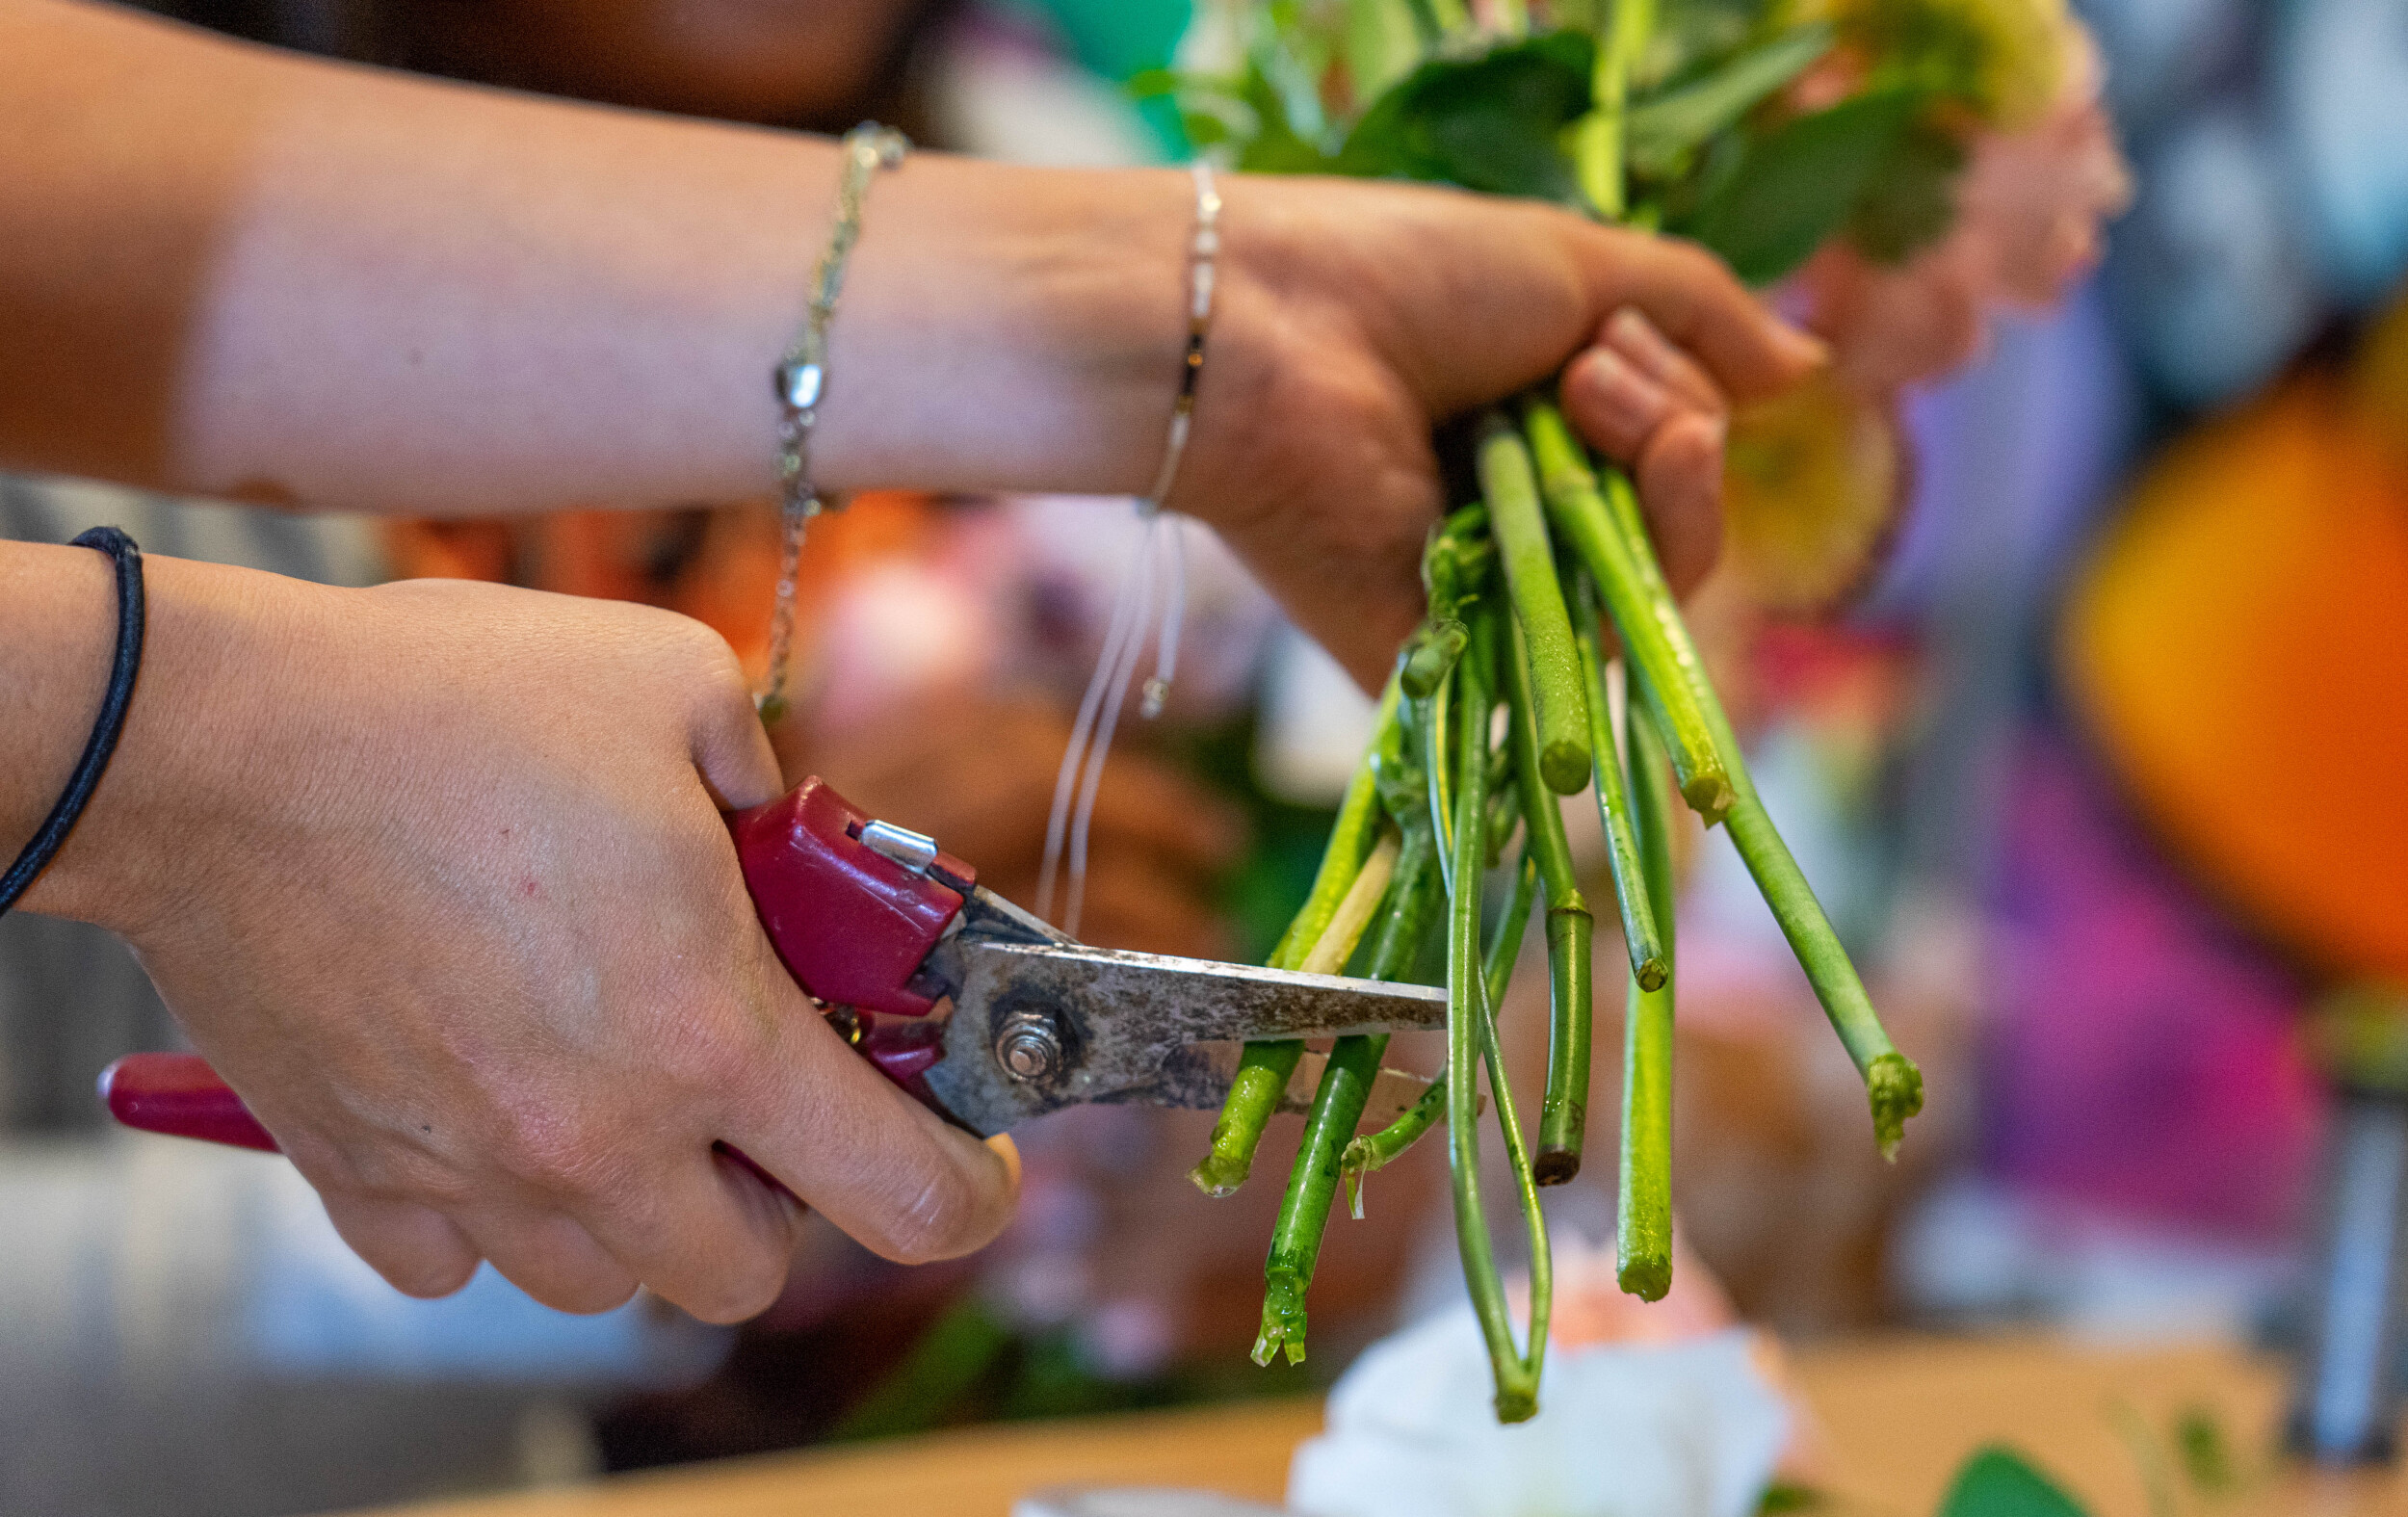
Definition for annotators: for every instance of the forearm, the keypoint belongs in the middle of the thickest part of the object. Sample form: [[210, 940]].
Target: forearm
[[239, 273]]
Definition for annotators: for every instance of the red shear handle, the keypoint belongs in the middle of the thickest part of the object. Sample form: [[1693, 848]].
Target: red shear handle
[[852, 924], [180, 1095]]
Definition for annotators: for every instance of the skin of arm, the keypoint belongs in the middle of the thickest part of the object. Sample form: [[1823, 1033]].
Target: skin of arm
[[435, 873], [231, 272]]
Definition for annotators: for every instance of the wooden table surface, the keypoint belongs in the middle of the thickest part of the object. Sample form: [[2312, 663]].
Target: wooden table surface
[[1892, 1418]]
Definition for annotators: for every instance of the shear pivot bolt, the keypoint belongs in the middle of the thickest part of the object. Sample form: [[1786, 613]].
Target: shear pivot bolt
[[1028, 1046]]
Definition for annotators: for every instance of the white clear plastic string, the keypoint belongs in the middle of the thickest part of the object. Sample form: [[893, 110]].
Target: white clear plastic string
[[1174, 549], [1124, 627], [1162, 548], [1115, 690]]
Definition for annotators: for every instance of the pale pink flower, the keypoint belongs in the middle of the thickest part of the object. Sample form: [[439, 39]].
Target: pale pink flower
[[2029, 206]]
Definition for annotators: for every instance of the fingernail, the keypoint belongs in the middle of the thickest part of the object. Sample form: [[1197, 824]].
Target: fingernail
[[1631, 401], [1005, 1149]]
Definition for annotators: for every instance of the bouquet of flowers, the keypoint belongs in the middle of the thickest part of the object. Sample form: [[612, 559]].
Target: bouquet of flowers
[[1878, 155]]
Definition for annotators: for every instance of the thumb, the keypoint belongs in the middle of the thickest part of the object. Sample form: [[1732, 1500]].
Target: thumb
[[885, 1169]]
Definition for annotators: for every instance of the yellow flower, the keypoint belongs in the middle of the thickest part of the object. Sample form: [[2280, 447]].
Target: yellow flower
[[2006, 60], [1811, 488]]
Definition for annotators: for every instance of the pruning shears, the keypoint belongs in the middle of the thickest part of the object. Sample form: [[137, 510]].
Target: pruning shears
[[973, 1006]]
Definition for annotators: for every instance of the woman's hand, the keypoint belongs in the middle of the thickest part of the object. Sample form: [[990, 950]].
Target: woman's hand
[[437, 876], [1022, 329], [1354, 317]]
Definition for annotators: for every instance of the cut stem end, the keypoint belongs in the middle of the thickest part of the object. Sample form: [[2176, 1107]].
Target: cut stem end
[[1565, 767], [1650, 1279], [1710, 795], [1554, 1165], [1216, 1179], [1894, 1088]]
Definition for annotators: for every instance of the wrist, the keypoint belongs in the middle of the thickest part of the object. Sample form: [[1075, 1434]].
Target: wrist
[[188, 746], [60, 633], [1010, 329]]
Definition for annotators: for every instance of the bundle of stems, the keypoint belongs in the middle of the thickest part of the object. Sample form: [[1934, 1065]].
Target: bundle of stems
[[1521, 585]]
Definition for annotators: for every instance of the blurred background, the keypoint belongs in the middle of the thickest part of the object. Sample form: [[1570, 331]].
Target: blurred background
[[2096, 770]]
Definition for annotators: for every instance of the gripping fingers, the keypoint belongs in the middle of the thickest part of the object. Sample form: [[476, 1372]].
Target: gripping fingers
[[552, 1257], [417, 1249], [712, 1237], [1679, 475], [1696, 301], [879, 1165]]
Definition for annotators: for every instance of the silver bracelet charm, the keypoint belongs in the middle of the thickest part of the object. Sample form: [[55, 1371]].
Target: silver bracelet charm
[[801, 381]]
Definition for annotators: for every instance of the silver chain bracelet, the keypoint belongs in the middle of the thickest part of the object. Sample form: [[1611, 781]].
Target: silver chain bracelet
[[801, 381]]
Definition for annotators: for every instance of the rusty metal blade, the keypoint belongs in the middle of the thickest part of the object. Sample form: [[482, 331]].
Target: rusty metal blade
[[1098, 1025]]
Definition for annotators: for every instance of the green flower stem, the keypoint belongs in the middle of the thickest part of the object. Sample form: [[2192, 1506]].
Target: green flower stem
[[1661, 655], [1563, 1118], [1892, 1083], [1597, 136], [1471, 1034], [1429, 656], [1374, 1150], [1353, 916], [1641, 933], [1350, 840], [1453, 567], [1520, 525], [1264, 1069], [1377, 1150], [1504, 819], [1643, 1221], [1433, 717], [1346, 1084]]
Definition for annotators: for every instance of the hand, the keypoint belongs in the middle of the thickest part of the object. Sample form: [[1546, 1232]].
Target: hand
[[1353, 317], [437, 877]]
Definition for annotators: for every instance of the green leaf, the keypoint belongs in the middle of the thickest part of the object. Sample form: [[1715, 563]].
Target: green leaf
[[1999, 1483], [1491, 121], [1659, 130], [1277, 145], [1148, 84], [1910, 201], [1381, 46], [1796, 187]]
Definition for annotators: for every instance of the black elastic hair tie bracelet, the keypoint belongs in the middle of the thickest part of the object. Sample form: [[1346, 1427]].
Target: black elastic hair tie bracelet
[[104, 742]]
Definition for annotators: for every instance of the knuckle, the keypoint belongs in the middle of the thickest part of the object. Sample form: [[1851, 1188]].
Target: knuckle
[[384, 1171], [552, 1151]]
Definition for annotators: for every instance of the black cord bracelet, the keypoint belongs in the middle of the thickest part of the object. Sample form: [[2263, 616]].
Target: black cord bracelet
[[105, 731]]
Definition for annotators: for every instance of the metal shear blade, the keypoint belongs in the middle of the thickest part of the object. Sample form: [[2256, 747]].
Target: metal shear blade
[[1041, 1025]]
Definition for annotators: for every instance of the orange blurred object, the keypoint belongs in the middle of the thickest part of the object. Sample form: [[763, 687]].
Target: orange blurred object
[[717, 564], [2238, 643]]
